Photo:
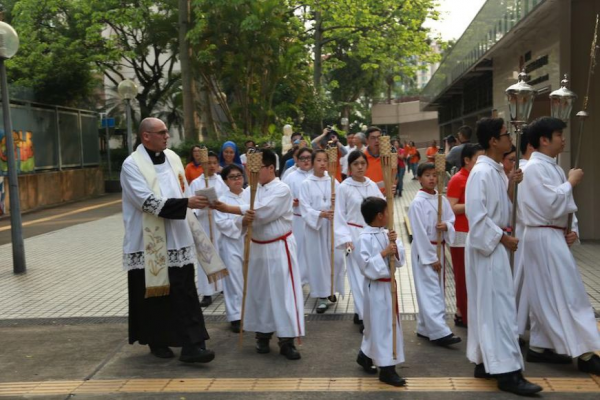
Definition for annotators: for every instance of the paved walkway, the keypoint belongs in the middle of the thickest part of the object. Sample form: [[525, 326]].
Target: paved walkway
[[76, 272]]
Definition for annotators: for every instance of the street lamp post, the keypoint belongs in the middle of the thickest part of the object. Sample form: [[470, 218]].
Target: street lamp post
[[128, 90], [9, 44]]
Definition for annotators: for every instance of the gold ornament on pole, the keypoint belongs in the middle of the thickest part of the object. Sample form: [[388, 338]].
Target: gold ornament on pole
[[332, 165]]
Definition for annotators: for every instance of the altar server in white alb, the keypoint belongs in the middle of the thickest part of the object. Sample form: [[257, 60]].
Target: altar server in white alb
[[375, 247], [315, 207], [493, 343], [428, 270], [563, 325], [349, 222], [294, 180], [159, 249], [232, 233], [274, 301], [205, 288]]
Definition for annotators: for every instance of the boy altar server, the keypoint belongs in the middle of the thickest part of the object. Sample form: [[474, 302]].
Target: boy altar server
[[562, 318], [493, 343], [428, 270], [375, 246]]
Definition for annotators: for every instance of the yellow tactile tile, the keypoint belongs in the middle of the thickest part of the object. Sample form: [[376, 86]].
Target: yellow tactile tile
[[590, 384]]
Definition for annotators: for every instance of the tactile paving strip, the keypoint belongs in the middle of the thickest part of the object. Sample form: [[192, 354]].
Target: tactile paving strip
[[442, 384]]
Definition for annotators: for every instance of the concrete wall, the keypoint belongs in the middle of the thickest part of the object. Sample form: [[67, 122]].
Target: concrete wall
[[414, 124], [55, 187]]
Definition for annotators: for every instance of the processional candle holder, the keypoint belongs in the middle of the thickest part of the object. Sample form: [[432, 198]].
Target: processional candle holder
[[561, 101]]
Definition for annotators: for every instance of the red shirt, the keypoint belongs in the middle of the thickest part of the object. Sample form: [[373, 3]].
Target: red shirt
[[456, 189], [192, 171], [374, 171]]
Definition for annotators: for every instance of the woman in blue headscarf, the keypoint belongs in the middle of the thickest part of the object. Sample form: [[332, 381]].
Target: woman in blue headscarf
[[230, 155]]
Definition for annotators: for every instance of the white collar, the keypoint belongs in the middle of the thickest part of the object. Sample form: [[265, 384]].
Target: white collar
[[542, 157]]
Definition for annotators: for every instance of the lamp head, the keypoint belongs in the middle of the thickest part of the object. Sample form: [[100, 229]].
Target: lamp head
[[561, 101], [127, 89], [9, 41], [520, 98]]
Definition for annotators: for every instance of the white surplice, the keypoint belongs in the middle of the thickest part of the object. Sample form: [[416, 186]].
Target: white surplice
[[288, 171], [562, 318], [231, 248], [274, 300], [492, 334], [315, 197], [294, 180], [206, 288], [521, 299], [348, 225], [429, 285], [377, 342]]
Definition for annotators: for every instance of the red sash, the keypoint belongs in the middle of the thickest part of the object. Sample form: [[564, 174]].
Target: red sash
[[355, 225]]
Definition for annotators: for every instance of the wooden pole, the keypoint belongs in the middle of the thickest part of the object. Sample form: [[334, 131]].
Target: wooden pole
[[440, 169], [332, 152], [385, 154], [204, 162], [254, 163]]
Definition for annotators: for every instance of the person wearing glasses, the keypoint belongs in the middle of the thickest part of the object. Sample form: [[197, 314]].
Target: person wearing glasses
[[374, 171], [232, 232], [164, 309], [493, 340]]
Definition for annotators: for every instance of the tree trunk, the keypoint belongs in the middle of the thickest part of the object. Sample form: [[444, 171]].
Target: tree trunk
[[318, 52], [205, 111], [187, 81]]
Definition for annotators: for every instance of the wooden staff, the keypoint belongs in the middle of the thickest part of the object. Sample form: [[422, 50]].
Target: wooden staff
[[204, 163], [254, 164], [332, 163], [440, 169], [385, 154]]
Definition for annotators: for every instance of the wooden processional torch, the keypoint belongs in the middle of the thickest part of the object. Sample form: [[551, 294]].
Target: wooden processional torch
[[204, 163], [332, 165], [440, 169], [385, 154], [253, 165], [520, 98]]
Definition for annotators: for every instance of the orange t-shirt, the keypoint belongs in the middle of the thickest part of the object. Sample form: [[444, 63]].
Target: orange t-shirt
[[431, 152], [192, 172], [374, 171]]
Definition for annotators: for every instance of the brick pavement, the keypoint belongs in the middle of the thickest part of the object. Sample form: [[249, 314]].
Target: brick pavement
[[76, 272]]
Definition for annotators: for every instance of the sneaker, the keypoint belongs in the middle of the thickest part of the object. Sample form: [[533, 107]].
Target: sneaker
[[548, 356], [161, 351], [514, 382], [322, 306], [390, 376], [592, 366]]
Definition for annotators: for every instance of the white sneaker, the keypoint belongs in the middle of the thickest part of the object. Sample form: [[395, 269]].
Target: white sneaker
[[322, 306]]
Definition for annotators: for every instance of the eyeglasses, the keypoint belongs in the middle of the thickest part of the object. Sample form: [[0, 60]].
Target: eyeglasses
[[161, 133], [235, 177], [504, 134], [375, 137], [304, 158]]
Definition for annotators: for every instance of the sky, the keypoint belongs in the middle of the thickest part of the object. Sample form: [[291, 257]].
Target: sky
[[455, 17]]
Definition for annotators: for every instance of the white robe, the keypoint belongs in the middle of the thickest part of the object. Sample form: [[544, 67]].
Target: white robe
[[521, 299], [377, 342], [562, 318], [429, 285], [206, 288], [274, 301], [492, 336], [294, 180], [288, 171], [348, 225], [315, 197], [231, 248]]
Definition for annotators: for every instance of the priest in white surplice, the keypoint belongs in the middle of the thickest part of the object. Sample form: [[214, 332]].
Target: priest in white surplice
[[274, 300], [493, 343], [205, 288], [429, 271], [562, 318], [164, 309]]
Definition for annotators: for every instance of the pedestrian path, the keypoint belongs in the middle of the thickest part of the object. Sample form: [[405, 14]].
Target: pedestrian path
[[76, 272]]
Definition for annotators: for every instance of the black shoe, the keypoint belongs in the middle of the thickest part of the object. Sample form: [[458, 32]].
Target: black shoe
[[447, 340], [362, 328], [390, 376], [235, 326], [357, 320], [522, 342], [206, 301], [422, 336], [480, 372], [514, 382], [196, 354], [366, 363], [548, 356], [458, 321], [262, 346], [161, 351], [288, 350], [592, 366], [332, 298]]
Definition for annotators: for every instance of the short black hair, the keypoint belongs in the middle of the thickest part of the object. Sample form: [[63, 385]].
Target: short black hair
[[305, 150], [524, 139], [513, 148], [231, 167], [250, 141], [468, 151], [314, 154], [354, 155], [296, 134], [424, 167], [268, 158], [213, 154], [371, 130], [543, 127], [488, 128], [370, 207], [466, 131]]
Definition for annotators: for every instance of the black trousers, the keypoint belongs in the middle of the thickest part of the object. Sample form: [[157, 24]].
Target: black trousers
[[174, 320]]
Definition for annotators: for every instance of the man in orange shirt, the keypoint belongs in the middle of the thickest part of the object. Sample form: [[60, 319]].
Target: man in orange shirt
[[374, 171], [432, 151]]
